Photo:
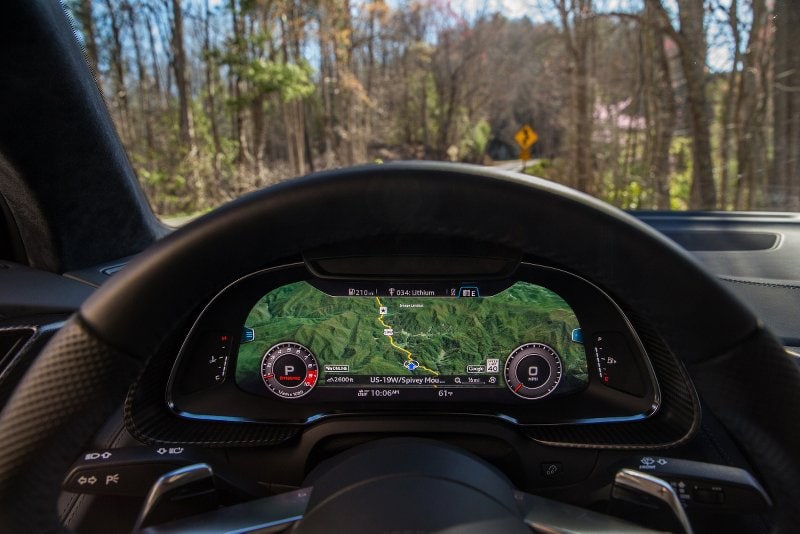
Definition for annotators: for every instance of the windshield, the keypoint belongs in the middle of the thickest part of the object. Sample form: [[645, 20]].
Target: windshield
[[648, 104]]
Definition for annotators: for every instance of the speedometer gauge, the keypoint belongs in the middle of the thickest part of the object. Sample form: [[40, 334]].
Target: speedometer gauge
[[533, 370], [289, 370]]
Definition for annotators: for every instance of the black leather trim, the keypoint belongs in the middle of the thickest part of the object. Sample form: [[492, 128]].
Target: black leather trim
[[776, 301], [753, 390], [25, 292]]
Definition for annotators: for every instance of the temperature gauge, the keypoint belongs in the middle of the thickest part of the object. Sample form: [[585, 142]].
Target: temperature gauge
[[210, 362]]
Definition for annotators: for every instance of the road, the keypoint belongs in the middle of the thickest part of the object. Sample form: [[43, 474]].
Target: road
[[515, 165], [408, 354]]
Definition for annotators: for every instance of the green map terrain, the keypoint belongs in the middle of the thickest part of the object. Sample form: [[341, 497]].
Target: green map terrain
[[443, 336]]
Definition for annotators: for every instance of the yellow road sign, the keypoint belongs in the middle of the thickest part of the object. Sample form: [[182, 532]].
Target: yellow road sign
[[525, 137], [525, 154]]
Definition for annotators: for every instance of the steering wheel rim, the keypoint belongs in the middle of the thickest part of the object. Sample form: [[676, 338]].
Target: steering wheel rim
[[84, 372]]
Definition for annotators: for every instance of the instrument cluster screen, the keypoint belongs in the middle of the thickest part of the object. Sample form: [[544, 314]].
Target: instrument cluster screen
[[325, 340]]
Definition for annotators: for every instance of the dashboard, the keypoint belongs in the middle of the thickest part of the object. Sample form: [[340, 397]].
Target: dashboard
[[530, 345], [553, 378]]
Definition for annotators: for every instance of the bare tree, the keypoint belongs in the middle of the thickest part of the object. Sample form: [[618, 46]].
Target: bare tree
[[141, 72], [728, 126], [118, 68], [660, 106], [784, 187], [690, 37], [751, 112], [185, 126], [85, 15], [215, 98], [577, 28]]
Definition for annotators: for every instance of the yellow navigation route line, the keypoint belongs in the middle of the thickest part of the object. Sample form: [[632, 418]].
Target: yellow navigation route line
[[395, 345]]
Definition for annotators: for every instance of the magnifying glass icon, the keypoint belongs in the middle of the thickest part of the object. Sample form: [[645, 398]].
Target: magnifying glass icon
[[458, 380]]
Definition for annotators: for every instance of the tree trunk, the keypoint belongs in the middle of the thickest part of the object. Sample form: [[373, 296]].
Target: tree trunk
[[326, 89], [727, 125], [154, 60], [303, 138], [85, 16], [185, 126], [583, 123], [293, 111], [211, 82], [144, 96], [118, 69], [784, 186], [447, 100], [349, 143], [666, 112], [693, 60], [236, 86], [307, 140], [751, 104], [577, 29]]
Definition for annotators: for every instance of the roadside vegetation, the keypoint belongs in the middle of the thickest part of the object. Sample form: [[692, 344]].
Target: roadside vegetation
[[666, 104]]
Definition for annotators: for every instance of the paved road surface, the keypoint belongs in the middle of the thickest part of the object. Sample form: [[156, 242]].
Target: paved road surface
[[513, 164]]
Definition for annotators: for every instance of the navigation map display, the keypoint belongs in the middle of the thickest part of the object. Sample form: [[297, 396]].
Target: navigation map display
[[521, 341]]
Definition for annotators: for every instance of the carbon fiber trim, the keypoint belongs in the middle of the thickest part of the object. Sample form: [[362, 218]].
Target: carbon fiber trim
[[149, 420], [675, 423]]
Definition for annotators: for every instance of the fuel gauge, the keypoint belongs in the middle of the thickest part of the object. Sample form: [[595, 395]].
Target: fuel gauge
[[616, 366]]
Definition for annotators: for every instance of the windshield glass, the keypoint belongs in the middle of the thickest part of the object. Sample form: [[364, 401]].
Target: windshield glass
[[648, 104]]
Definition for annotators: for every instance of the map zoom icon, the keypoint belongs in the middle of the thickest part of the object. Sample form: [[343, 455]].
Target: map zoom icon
[[411, 364]]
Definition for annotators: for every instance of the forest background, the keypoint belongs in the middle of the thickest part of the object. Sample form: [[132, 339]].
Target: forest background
[[647, 104]]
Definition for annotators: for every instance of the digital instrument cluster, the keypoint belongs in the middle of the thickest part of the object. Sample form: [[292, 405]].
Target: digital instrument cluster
[[543, 346], [420, 342]]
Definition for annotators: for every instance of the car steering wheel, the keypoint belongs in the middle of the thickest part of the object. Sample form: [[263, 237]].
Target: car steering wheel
[[739, 369]]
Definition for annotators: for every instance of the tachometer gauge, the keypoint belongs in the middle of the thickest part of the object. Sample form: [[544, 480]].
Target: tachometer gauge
[[289, 370], [533, 370]]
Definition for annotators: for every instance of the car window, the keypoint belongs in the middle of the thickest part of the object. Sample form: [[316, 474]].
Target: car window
[[646, 104]]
